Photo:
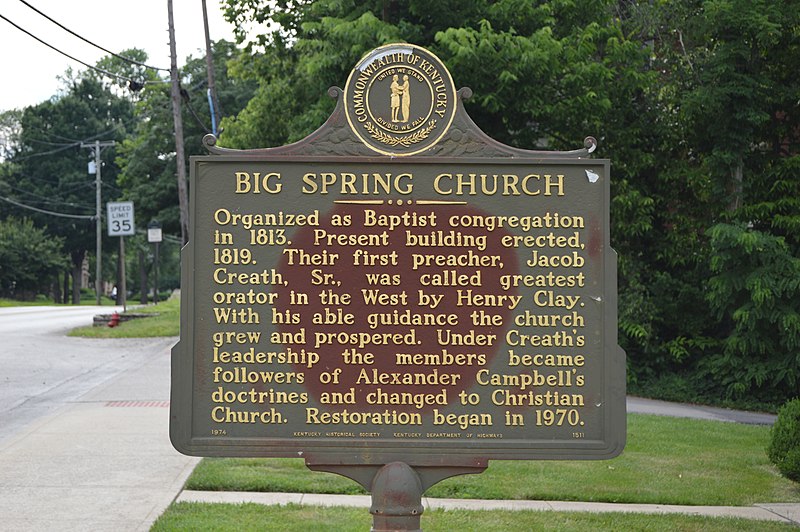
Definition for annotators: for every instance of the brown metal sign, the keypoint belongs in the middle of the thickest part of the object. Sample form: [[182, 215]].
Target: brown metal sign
[[347, 305]]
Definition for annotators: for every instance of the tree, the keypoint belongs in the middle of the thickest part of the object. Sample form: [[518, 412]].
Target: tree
[[694, 101], [755, 292], [29, 259], [48, 169], [724, 81], [544, 75], [147, 158]]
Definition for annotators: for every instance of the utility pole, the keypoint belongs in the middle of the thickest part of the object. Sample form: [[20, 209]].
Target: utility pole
[[183, 196], [97, 147], [213, 102]]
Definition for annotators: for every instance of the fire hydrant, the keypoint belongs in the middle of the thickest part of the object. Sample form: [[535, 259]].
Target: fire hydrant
[[114, 321]]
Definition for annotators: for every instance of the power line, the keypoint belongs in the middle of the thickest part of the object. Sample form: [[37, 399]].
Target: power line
[[132, 84], [46, 200], [43, 153], [75, 143], [23, 30], [51, 213], [47, 143], [132, 61], [111, 187], [187, 101]]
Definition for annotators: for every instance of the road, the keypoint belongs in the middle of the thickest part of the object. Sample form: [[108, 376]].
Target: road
[[43, 369], [83, 426]]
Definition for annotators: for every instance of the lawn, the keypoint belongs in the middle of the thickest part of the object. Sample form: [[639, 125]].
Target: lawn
[[666, 461], [40, 300], [165, 321]]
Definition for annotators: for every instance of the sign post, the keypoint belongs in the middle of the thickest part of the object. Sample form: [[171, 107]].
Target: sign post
[[121, 223], [399, 298]]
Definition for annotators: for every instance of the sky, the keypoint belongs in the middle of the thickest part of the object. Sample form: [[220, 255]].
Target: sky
[[29, 69]]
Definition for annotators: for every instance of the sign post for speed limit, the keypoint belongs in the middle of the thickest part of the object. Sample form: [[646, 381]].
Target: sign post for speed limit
[[121, 224]]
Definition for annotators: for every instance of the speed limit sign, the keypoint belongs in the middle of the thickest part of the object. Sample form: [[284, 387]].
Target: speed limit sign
[[120, 218]]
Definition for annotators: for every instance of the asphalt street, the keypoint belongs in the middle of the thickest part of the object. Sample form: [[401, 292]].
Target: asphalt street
[[43, 369], [83, 426]]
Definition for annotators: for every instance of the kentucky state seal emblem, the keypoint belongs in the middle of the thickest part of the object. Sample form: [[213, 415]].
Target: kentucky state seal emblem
[[400, 99]]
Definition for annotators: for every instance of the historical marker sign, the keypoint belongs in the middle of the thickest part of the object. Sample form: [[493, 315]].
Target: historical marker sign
[[344, 303]]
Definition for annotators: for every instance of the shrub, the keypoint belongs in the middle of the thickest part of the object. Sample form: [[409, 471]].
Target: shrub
[[755, 294], [29, 259], [784, 446]]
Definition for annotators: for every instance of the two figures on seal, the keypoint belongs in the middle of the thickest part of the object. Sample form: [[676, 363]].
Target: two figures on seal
[[400, 99]]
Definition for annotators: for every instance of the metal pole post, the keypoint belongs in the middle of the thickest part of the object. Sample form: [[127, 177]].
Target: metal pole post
[[213, 101], [155, 288], [122, 295], [396, 499], [154, 236], [142, 278]]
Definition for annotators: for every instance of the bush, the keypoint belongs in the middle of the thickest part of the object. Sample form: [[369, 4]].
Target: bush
[[784, 446], [29, 259], [755, 294]]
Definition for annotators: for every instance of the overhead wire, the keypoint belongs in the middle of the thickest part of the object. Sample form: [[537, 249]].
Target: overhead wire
[[127, 59], [23, 30], [186, 100], [51, 213], [43, 153], [111, 186], [47, 143], [64, 147], [46, 200], [75, 143], [131, 83]]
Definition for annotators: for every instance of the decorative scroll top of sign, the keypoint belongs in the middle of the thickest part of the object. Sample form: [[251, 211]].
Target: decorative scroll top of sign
[[400, 99]]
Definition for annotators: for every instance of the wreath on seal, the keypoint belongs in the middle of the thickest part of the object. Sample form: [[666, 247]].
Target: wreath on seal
[[406, 140]]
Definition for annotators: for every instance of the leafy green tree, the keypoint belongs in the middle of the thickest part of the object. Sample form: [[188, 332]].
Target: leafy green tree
[[755, 292], [147, 158], [726, 92], [29, 259], [48, 168], [694, 101], [544, 75]]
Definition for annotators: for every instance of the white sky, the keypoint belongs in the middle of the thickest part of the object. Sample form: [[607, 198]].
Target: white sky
[[28, 69]]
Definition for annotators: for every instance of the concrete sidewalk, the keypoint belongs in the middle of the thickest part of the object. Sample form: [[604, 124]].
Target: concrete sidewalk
[[640, 405], [101, 463], [784, 513]]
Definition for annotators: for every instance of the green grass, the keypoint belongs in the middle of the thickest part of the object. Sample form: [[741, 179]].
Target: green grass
[[42, 301], [166, 323], [38, 302], [666, 461], [291, 518]]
